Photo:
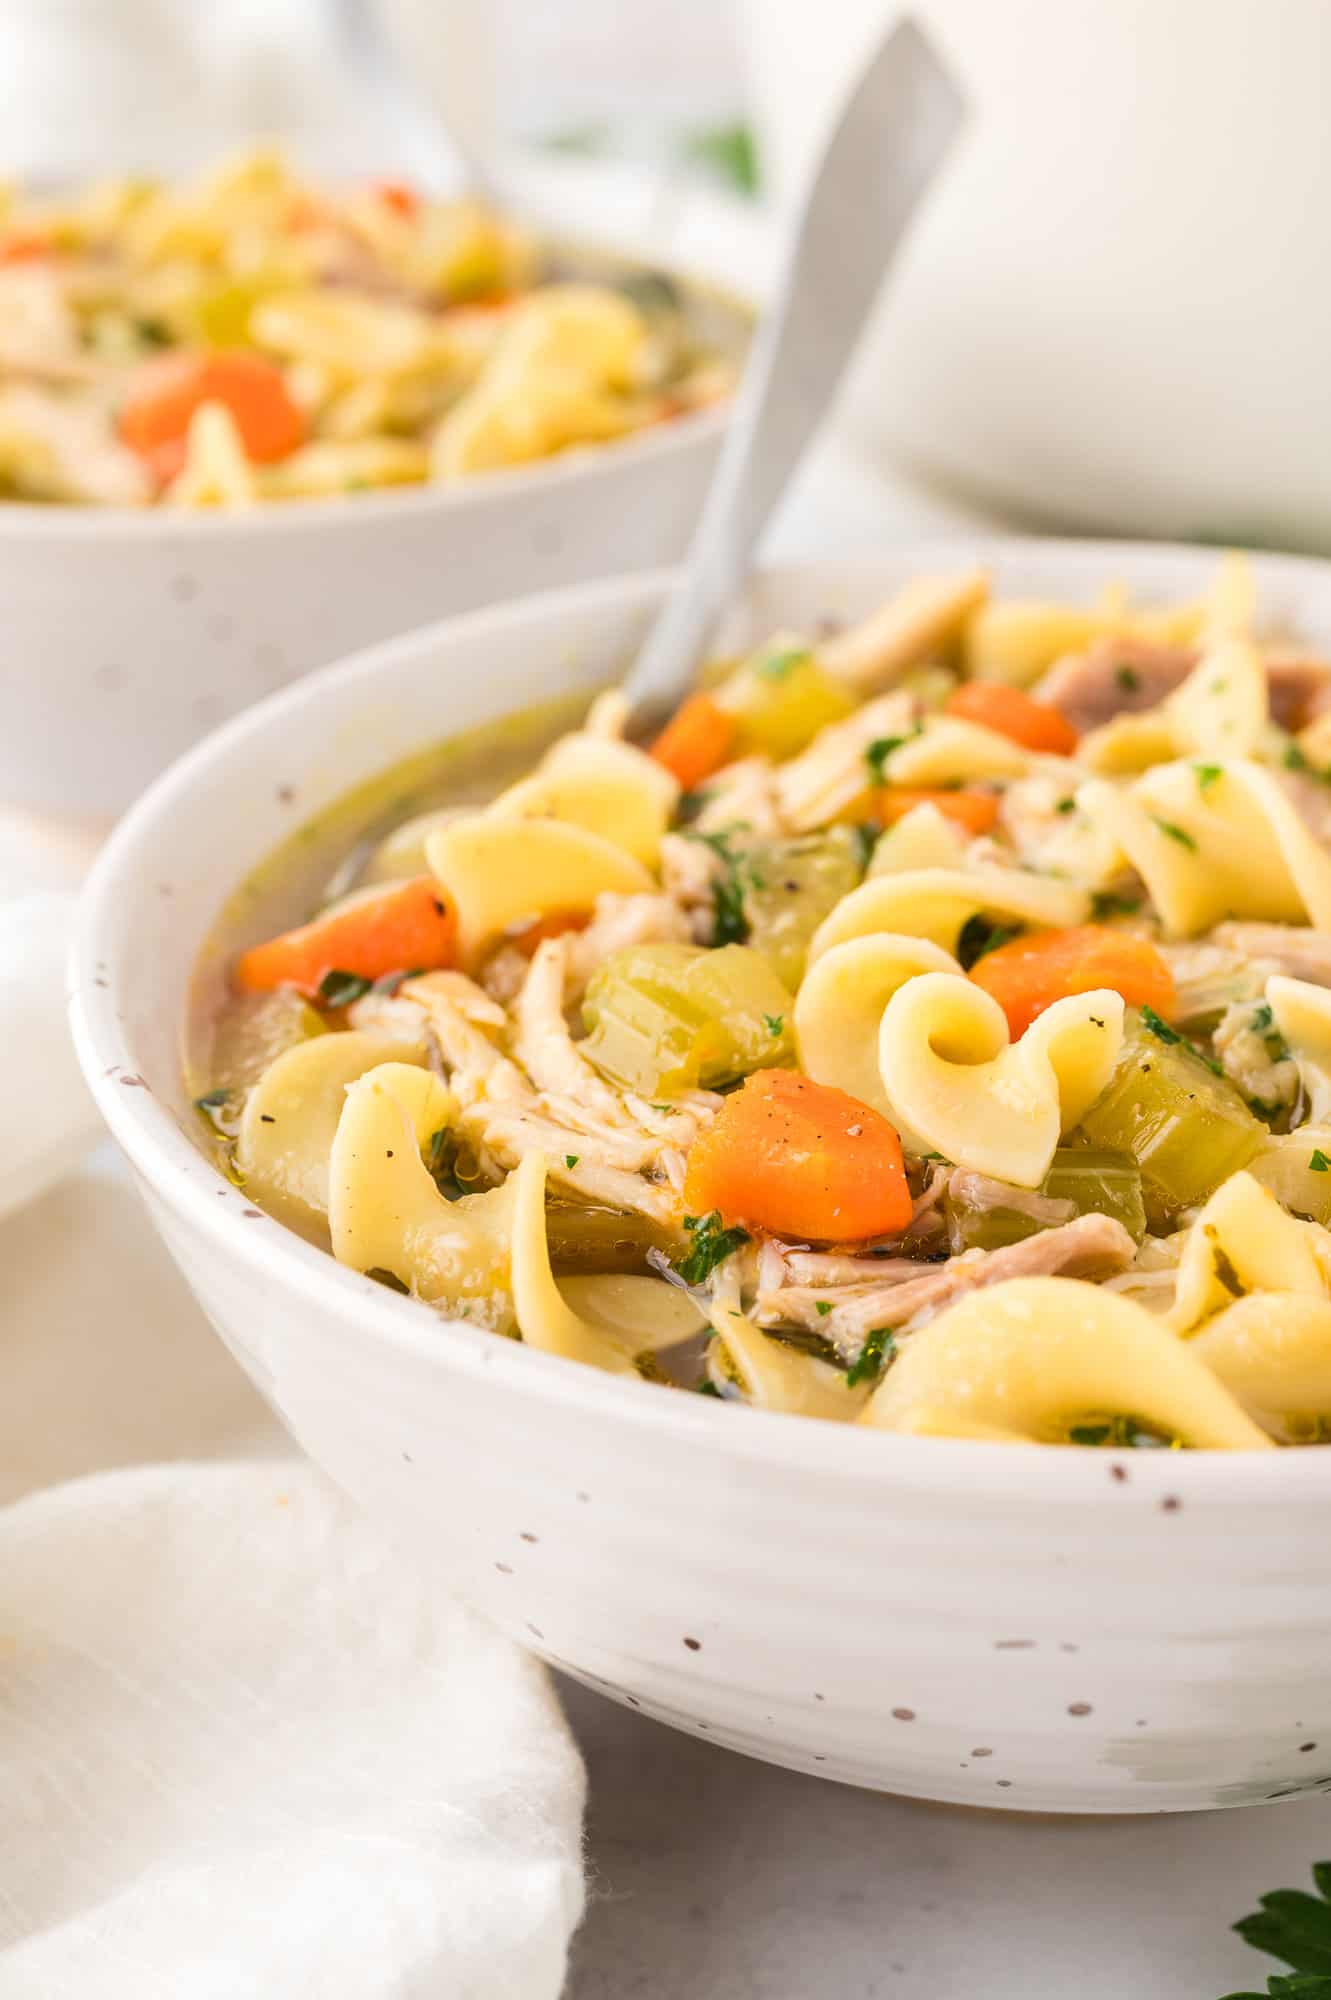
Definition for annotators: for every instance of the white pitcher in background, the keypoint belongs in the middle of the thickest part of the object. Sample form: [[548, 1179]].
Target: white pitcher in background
[[1117, 312]]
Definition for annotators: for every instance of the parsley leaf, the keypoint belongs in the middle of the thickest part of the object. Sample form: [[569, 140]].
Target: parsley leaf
[[1294, 758], [979, 935], [1128, 678], [822, 1307], [1319, 1162], [1160, 1029], [776, 666], [1066, 806], [1207, 775], [1175, 832], [878, 1349], [339, 989], [709, 1388], [711, 1246], [865, 835], [212, 1100], [1296, 1927], [389, 982], [571, 1159], [729, 923], [774, 1023], [877, 753]]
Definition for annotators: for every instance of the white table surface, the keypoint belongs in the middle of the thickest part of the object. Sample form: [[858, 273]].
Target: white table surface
[[714, 1878]]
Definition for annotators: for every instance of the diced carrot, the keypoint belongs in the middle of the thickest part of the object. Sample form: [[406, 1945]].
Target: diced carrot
[[553, 924], [696, 741], [164, 393], [403, 200], [403, 927], [1033, 724], [974, 811], [801, 1159], [25, 247], [1030, 973]]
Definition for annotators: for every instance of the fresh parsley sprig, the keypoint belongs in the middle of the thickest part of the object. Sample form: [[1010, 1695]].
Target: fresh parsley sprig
[[1296, 1927], [878, 1349]]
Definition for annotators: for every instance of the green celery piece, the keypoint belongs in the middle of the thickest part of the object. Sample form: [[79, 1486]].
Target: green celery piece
[[789, 886], [1096, 1182], [1186, 1128], [662, 1018]]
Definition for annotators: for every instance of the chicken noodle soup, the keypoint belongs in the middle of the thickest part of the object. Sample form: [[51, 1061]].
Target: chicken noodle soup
[[930, 1029], [256, 338]]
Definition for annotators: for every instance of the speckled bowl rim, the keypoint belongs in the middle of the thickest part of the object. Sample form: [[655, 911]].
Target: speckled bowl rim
[[269, 1254]]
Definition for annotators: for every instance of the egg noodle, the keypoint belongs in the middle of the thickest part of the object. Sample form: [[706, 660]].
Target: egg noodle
[[256, 338], [930, 1030]]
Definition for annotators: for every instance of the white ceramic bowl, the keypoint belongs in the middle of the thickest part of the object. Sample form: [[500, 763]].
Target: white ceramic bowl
[[1111, 318], [1068, 1630]]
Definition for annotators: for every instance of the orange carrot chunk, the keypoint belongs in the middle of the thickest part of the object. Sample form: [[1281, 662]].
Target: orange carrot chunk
[[164, 393], [403, 927], [1030, 973], [801, 1159], [1033, 724], [398, 196], [25, 247], [696, 741], [975, 812]]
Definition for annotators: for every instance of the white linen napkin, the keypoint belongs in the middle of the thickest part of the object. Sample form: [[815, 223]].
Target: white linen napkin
[[249, 1753], [47, 1117]]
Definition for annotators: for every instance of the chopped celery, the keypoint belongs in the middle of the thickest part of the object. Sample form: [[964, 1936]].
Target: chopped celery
[[1080, 1181], [668, 1017], [789, 886], [781, 698], [255, 1029], [1187, 1129]]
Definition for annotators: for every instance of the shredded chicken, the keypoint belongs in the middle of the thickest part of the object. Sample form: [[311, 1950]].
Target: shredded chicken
[[690, 871], [1092, 1246], [1299, 688], [743, 794], [52, 448], [1290, 948]]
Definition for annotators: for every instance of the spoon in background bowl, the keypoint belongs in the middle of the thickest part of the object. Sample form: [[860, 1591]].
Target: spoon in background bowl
[[896, 127]]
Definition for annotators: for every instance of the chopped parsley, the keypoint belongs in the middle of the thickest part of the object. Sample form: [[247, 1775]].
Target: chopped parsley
[[211, 1101], [878, 1349], [434, 1159], [729, 923], [877, 753], [339, 989], [391, 981], [1125, 1433], [708, 1388], [776, 666], [1207, 775], [1066, 806], [1175, 832], [1319, 1162], [1162, 1031], [571, 1159], [979, 936], [711, 1246], [865, 835], [822, 1307], [775, 1024], [1127, 677], [1294, 759]]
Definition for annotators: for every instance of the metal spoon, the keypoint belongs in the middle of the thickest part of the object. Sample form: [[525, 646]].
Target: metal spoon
[[897, 124]]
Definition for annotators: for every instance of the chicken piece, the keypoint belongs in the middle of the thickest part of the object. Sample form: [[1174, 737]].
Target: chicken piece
[[690, 871], [53, 447], [743, 794], [1300, 688], [1289, 948], [1118, 675], [1093, 1246]]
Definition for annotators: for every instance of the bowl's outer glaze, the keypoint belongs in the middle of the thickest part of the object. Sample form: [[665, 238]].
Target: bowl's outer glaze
[[128, 637], [1071, 1631]]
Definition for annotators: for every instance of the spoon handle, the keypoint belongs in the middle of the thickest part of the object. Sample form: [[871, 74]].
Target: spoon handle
[[896, 126]]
